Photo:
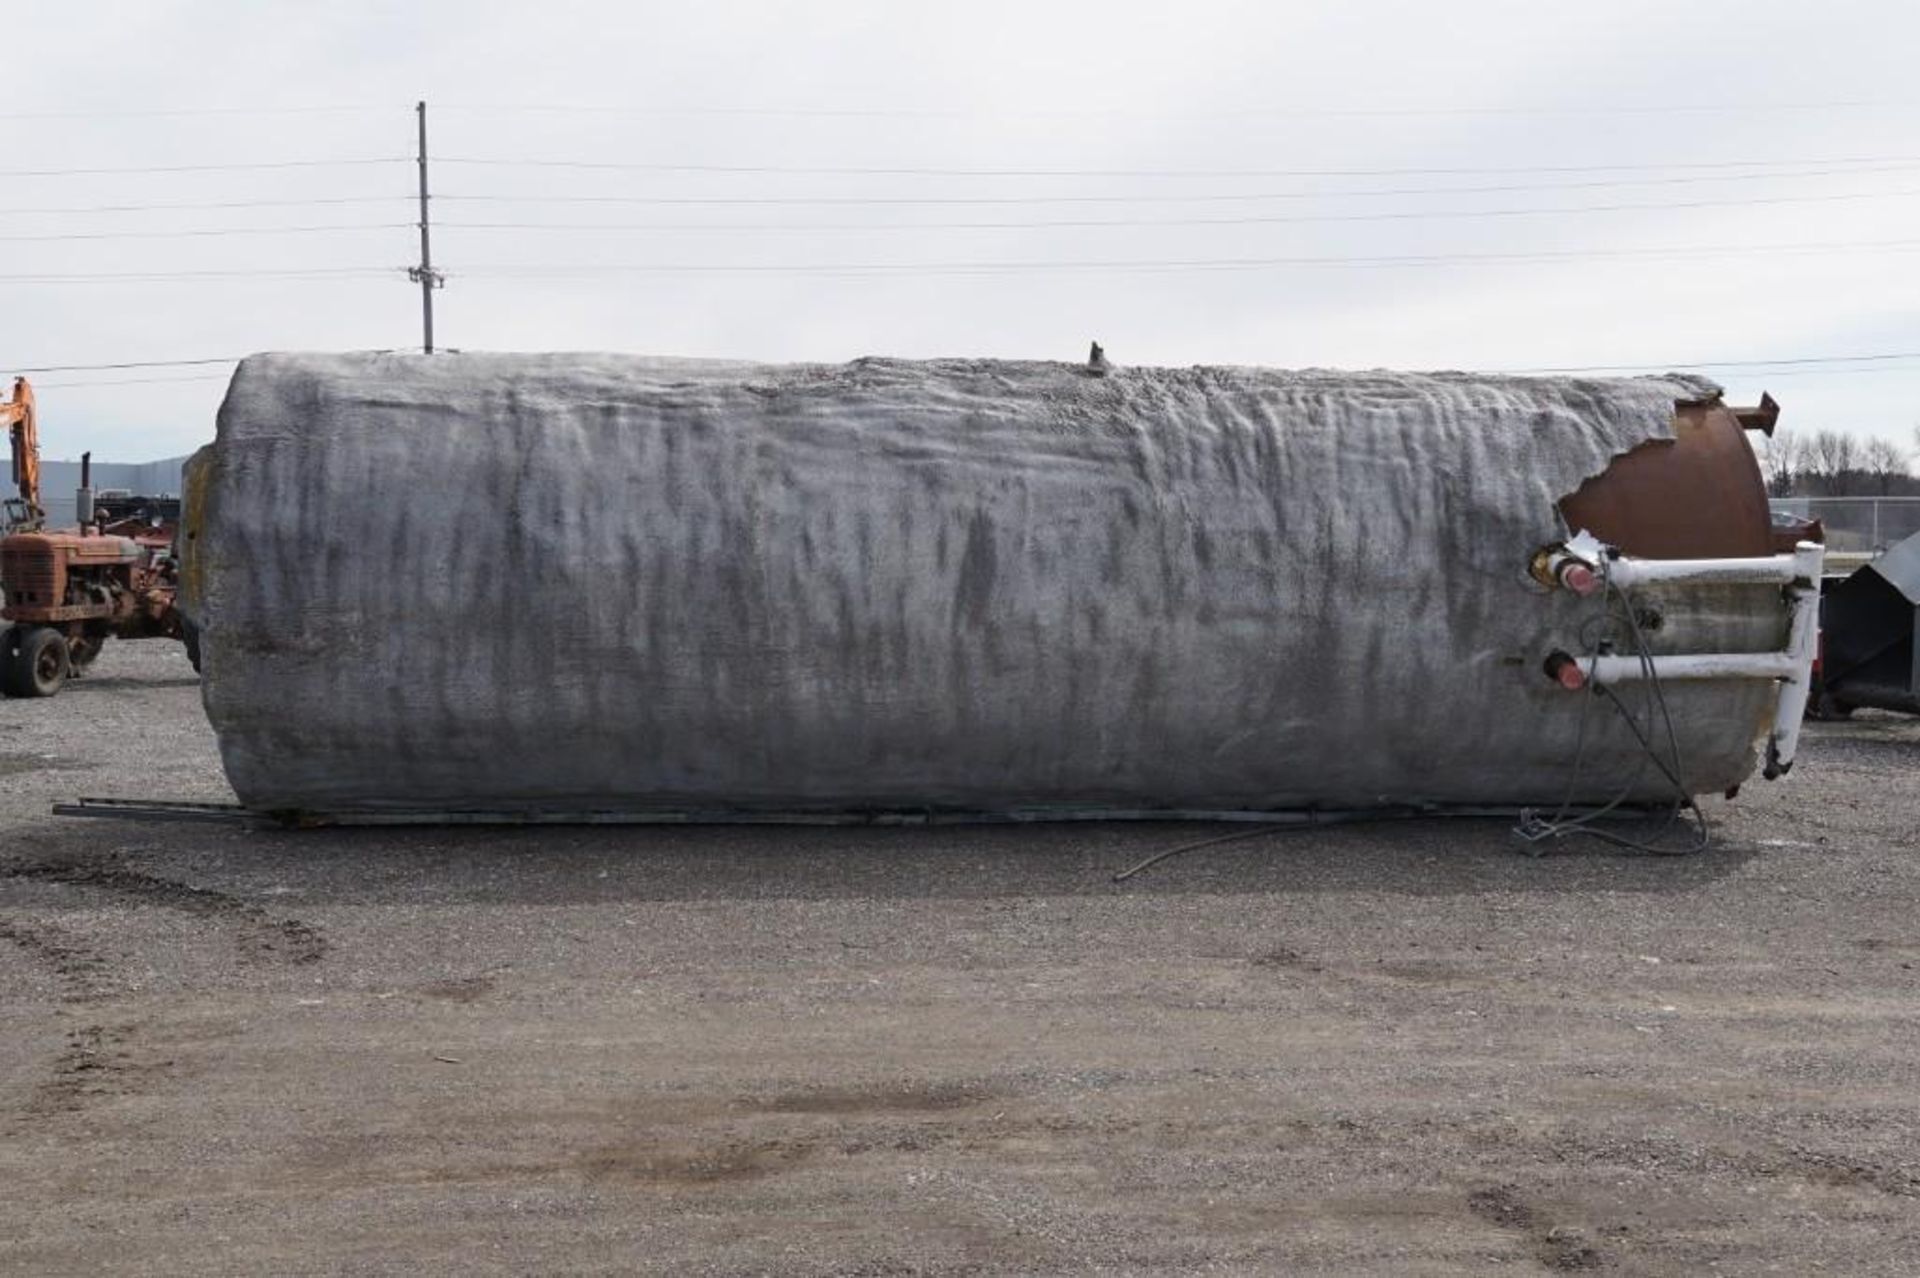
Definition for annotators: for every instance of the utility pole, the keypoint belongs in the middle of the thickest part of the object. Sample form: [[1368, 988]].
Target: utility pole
[[424, 275]]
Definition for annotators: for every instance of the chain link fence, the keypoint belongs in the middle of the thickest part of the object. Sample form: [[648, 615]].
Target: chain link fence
[[1865, 526]]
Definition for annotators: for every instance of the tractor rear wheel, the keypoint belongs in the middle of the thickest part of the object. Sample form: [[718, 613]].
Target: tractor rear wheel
[[33, 661]]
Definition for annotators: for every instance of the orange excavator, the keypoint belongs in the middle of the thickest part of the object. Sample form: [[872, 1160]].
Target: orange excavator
[[63, 594], [23, 513]]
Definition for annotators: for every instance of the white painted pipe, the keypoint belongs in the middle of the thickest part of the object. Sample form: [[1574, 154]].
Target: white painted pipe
[[1693, 665], [1803, 643], [1773, 569], [1793, 666]]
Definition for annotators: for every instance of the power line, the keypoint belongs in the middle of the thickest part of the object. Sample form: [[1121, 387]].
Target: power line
[[990, 267], [148, 277], [205, 232], [129, 381], [1230, 263], [123, 364], [1422, 214], [1838, 372], [114, 113], [1724, 363], [1290, 219], [206, 205], [876, 171], [204, 168], [1804, 359], [1855, 167], [985, 112], [1237, 197], [1282, 112]]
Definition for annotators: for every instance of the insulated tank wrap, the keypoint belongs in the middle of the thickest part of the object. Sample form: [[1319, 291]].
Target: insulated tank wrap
[[608, 583]]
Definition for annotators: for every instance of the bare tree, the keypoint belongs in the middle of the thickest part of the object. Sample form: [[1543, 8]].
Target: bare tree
[[1782, 458], [1832, 454], [1884, 460]]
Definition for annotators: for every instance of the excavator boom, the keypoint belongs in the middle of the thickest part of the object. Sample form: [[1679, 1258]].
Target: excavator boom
[[23, 513]]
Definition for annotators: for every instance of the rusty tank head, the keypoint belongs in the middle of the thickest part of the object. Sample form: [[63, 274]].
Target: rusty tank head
[[1699, 495]]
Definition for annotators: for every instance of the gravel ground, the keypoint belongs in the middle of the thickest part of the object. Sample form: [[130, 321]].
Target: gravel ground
[[803, 1051]]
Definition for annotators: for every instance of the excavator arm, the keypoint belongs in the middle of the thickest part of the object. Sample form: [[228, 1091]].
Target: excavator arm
[[23, 513]]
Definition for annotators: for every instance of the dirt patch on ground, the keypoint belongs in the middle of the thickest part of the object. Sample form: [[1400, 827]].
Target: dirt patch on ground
[[97, 1058], [682, 1165], [82, 972], [466, 989], [908, 1098], [1558, 1247], [258, 933]]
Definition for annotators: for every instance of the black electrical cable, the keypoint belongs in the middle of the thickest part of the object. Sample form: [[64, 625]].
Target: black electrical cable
[[1414, 215], [1683, 803], [1683, 799], [128, 381], [1097, 113], [112, 113], [1768, 364], [1309, 820], [208, 232], [135, 363], [1535, 829], [1528, 821], [204, 205], [1169, 853], [154, 277], [1233, 197], [538, 271], [205, 168], [916, 171]]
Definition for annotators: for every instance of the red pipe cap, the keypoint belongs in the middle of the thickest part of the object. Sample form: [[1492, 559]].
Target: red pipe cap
[[1566, 672], [1578, 578]]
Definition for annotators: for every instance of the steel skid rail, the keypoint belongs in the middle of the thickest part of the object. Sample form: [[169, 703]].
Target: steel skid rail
[[1584, 565], [234, 813]]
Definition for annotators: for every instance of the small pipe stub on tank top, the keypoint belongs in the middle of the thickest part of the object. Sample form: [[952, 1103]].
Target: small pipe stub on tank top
[[1761, 418]]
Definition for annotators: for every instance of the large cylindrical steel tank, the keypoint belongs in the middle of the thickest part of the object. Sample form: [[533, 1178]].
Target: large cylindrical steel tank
[[548, 583]]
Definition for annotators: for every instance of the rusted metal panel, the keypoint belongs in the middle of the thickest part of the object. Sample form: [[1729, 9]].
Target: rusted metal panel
[[31, 573], [1697, 496], [54, 578]]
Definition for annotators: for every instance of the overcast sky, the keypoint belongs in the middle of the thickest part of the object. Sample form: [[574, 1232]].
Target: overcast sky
[[1211, 133]]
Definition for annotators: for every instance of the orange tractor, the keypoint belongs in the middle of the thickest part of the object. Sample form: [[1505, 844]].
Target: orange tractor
[[65, 593]]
